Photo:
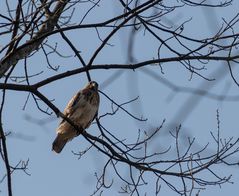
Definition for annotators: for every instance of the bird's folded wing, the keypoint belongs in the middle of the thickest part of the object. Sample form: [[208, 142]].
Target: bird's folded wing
[[70, 108]]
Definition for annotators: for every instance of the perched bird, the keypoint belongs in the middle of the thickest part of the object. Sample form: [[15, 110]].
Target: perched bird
[[81, 109]]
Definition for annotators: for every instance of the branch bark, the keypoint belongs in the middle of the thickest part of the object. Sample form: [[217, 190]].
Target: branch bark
[[13, 56]]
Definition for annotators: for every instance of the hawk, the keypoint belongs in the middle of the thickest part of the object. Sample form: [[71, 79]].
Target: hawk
[[81, 109]]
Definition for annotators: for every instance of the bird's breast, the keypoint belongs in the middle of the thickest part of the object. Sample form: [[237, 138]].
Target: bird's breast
[[84, 114]]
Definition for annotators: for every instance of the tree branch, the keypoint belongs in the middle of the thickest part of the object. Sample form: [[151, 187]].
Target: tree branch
[[12, 58]]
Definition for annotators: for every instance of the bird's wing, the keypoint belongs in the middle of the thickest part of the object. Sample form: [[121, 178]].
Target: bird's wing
[[72, 103], [70, 108]]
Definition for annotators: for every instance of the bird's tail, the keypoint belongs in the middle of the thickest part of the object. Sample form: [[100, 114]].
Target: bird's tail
[[59, 143]]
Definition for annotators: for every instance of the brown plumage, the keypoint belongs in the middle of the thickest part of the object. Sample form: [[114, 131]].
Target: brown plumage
[[81, 109]]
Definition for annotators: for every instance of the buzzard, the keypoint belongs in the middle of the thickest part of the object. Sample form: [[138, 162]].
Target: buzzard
[[81, 109]]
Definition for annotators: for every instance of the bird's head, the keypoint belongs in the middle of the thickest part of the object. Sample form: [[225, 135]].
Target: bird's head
[[92, 85]]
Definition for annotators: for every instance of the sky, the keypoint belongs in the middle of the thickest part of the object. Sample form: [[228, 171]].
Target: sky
[[33, 132]]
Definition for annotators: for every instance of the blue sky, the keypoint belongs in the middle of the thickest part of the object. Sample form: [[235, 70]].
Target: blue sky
[[65, 174]]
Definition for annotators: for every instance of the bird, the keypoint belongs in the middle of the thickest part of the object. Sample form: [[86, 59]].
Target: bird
[[82, 109]]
